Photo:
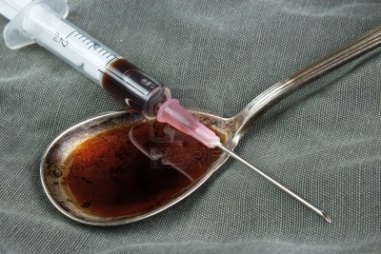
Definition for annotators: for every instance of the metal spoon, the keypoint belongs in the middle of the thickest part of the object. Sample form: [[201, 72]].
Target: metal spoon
[[232, 128]]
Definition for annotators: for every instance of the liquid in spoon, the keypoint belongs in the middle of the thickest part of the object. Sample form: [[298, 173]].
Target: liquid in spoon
[[108, 176]]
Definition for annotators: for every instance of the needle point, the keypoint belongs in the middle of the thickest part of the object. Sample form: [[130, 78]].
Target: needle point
[[326, 217]]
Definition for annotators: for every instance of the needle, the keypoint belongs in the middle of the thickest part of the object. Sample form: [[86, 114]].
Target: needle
[[171, 112], [318, 211]]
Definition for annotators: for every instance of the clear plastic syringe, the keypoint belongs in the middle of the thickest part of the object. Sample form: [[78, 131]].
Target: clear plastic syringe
[[43, 22]]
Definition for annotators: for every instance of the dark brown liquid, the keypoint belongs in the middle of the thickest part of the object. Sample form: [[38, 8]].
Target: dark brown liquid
[[112, 83], [108, 176], [128, 83]]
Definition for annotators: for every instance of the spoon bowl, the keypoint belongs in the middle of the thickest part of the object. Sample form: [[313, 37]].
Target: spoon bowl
[[231, 130], [53, 161]]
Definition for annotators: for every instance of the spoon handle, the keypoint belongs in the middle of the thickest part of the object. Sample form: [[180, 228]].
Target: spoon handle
[[279, 90]]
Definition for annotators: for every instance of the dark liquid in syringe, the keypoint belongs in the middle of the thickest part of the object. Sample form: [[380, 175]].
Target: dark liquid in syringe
[[108, 176], [125, 81], [111, 79]]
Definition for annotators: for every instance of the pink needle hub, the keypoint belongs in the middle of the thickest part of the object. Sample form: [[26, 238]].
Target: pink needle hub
[[174, 114]]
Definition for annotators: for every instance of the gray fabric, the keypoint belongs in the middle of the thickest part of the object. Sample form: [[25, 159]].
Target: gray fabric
[[323, 141]]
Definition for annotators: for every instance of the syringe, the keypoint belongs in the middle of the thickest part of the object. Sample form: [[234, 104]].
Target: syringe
[[43, 22]]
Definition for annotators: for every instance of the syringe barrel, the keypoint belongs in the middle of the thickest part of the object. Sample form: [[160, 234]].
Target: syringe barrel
[[89, 56], [130, 84]]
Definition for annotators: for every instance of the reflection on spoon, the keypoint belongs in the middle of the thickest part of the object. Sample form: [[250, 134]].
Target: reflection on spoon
[[155, 150], [55, 160]]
